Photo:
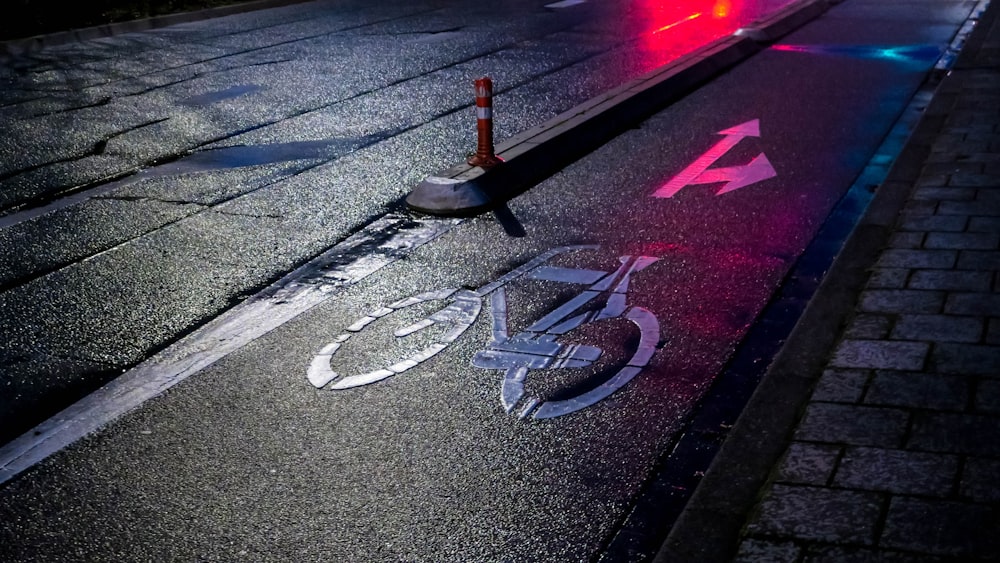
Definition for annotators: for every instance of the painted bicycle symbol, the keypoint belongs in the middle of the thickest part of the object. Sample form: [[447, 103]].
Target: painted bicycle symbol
[[534, 348]]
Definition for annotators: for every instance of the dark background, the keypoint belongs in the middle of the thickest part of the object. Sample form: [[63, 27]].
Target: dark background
[[25, 18]]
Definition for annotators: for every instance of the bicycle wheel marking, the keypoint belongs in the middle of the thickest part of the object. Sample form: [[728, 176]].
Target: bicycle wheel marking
[[534, 348], [459, 315]]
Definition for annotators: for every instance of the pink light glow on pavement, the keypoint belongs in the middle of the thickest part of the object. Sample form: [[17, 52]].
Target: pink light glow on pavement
[[677, 28]]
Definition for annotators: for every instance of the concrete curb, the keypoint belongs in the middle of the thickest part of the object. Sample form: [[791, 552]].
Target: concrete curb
[[15, 47], [771, 28], [539, 152]]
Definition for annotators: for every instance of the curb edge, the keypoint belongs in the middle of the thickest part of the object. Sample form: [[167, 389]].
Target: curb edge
[[537, 153], [713, 519]]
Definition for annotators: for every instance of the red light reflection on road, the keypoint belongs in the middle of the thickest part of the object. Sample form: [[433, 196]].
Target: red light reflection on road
[[678, 22], [676, 28], [722, 9]]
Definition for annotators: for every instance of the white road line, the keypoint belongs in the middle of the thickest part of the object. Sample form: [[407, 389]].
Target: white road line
[[289, 297], [565, 3]]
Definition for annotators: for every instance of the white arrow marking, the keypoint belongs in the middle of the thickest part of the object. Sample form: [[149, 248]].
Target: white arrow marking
[[737, 177]]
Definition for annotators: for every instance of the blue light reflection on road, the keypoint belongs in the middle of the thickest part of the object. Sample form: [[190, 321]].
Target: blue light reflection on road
[[919, 56]]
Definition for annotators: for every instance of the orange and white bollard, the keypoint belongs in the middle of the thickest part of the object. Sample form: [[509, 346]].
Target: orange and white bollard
[[484, 157]]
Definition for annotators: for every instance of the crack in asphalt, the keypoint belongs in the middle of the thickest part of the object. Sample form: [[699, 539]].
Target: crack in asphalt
[[99, 103], [247, 214], [267, 181], [255, 312], [97, 149], [101, 145], [12, 103], [79, 87], [34, 275], [106, 100], [417, 32]]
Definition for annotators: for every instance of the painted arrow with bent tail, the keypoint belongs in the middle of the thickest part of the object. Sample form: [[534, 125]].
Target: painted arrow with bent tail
[[736, 177]]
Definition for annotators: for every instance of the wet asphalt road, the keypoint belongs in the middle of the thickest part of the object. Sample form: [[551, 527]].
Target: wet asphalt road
[[247, 460], [150, 181]]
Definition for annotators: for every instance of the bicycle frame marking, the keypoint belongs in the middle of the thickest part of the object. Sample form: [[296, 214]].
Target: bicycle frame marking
[[536, 348], [533, 348], [460, 315]]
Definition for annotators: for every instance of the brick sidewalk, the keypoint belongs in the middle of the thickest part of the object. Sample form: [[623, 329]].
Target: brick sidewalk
[[897, 456]]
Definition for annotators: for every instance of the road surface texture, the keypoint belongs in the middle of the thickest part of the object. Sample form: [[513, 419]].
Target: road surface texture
[[150, 181], [571, 339]]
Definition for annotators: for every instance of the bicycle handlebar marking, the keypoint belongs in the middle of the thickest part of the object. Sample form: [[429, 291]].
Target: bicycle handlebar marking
[[533, 348]]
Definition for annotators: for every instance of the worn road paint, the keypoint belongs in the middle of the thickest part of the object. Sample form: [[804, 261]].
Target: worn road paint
[[534, 348], [306, 287], [457, 315]]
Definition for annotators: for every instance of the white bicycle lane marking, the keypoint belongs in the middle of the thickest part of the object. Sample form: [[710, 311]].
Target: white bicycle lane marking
[[534, 348]]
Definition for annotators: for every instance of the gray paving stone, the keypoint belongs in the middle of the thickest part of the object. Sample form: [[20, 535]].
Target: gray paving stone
[[942, 527], [955, 433], [971, 241], [973, 304], [972, 180], [950, 167], [841, 386], [984, 225], [984, 137], [989, 195], [830, 554], [853, 425], [905, 258], [948, 142], [950, 223], [988, 396], [897, 471], [820, 514], [867, 326], [918, 390], [938, 328], [968, 147], [915, 208], [763, 551], [880, 354], [966, 359], [933, 180], [808, 464], [909, 239], [944, 193], [886, 278], [964, 122], [901, 301], [981, 480], [993, 332], [950, 280], [979, 260]]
